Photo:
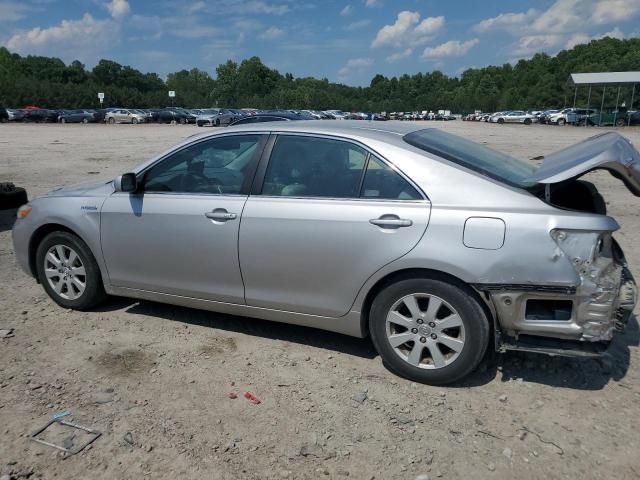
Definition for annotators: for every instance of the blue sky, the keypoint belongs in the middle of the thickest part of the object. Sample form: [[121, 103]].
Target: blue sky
[[347, 41]]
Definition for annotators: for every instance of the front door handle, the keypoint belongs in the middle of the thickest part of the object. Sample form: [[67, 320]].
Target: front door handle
[[391, 221], [220, 215]]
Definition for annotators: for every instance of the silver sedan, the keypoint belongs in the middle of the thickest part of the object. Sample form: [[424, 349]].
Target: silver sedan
[[437, 247]]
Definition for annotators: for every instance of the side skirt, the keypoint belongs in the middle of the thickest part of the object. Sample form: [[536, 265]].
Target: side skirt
[[347, 325]]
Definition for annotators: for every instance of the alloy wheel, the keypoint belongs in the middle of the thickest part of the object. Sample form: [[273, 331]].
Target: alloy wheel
[[425, 331], [65, 272]]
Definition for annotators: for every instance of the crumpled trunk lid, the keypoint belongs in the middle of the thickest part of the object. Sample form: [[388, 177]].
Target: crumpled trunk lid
[[609, 151]]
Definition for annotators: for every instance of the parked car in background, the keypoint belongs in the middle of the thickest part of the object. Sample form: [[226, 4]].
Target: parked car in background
[[437, 247], [516, 116], [215, 117], [633, 118], [172, 116], [41, 115], [605, 118], [543, 117], [15, 115], [494, 117], [124, 115], [271, 116], [4, 115], [77, 116], [337, 114]]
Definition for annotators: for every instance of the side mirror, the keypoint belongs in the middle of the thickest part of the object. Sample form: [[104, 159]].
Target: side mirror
[[126, 183]]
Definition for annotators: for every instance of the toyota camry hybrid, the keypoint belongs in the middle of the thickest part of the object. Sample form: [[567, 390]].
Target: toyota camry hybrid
[[437, 247]]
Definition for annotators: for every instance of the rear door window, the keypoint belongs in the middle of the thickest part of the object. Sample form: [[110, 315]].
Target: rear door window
[[382, 182]]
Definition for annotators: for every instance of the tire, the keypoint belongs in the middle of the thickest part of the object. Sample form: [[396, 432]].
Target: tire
[[217, 122], [501, 121], [621, 122], [527, 121], [134, 121], [173, 122], [12, 197], [112, 120], [473, 330], [62, 120], [85, 120], [93, 292], [561, 121]]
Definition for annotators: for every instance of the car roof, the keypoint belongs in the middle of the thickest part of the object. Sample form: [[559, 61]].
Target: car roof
[[389, 131]]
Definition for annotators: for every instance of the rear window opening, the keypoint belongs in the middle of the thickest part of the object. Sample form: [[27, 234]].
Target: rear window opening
[[559, 310]]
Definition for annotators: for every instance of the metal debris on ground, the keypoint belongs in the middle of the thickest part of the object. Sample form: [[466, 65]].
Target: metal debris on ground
[[6, 333], [67, 446]]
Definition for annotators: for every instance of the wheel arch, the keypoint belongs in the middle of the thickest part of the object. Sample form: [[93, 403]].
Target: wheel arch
[[39, 234], [411, 273]]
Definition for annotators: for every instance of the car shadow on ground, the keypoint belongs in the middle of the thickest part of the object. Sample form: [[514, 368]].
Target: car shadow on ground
[[563, 372], [248, 326], [7, 219]]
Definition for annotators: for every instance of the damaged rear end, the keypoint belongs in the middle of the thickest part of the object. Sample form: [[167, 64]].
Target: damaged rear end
[[578, 319]]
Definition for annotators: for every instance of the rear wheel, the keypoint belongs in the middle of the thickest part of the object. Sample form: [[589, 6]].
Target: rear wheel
[[429, 330], [527, 121], [501, 121], [69, 272], [134, 121], [112, 120], [85, 120], [561, 121], [621, 122]]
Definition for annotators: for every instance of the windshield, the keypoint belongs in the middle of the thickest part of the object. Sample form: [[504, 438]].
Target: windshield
[[472, 155]]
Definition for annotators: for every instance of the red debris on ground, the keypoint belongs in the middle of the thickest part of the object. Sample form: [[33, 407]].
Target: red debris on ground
[[249, 396]]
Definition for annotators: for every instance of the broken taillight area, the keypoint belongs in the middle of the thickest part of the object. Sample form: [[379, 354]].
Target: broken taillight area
[[600, 277], [599, 302]]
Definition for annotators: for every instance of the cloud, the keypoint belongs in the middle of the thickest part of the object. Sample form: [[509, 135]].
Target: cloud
[[452, 48], [13, 11], [354, 65], [530, 44], [396, 57], [580, 38], [83, 39], [346, 11], [506, 21], [118, 8], [408, 30], [272, 33], [357, 25], [614, 11], [373, 3], [187, 26], [565, 22]]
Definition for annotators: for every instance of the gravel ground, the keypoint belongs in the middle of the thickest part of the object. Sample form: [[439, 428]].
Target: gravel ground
[[156, 379]]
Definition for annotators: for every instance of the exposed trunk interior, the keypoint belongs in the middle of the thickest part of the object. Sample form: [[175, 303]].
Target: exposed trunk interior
[[578, 195]]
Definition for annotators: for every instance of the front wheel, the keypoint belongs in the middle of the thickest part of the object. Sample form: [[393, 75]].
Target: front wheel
[[527, 121], [68, 271], [501, 121], [134, 121], [112, 120], [429, 330], [561, 121]]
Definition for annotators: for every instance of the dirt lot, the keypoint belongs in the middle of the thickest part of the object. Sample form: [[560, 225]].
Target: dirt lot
[[155, 379]]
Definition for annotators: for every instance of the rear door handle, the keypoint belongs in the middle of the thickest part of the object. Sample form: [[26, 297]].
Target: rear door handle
[[220, 215], [391, 221]]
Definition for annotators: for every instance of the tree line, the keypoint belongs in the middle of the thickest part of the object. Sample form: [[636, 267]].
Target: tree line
[[539, 82]]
